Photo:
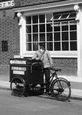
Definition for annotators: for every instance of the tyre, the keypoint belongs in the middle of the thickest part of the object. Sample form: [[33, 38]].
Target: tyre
[[61, 90], [17, 86], [61, 78]]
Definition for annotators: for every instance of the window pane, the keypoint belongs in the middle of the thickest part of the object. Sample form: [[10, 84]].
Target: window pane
[[28, 20], [41, 18], [64, 16], [49, 37], [50, 46], [65, 46], [57, 46], [35, 42], [73, 27], [35, 38], [42, 28], [64, 26], [72, 15], [56, 16], [42, 37], [73, 36], [28, 38], [35, 19], [28, 29], [28, 46], [73, 45], [49, 28], [64, 35], [35, 28], [48, 17], [73, 22], [56, 26], [57, 36], [35, 46]]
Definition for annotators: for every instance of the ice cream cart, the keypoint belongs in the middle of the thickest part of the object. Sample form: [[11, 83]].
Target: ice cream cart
[[25, 74]]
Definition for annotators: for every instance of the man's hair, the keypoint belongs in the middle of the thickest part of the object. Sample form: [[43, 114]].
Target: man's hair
[[42, 44]]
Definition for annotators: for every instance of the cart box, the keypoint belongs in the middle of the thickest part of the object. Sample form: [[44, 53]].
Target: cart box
[[30, 70]]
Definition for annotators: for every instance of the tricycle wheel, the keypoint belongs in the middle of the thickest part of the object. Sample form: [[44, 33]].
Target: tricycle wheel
[[61, 90], [17, 86]]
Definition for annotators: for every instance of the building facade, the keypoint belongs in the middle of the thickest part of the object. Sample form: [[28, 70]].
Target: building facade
[[24, 23]]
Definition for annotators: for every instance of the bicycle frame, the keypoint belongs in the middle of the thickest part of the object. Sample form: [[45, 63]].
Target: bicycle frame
[[54, 77]]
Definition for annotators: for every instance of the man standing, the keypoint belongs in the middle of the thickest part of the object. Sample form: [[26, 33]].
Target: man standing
[[45, 57]]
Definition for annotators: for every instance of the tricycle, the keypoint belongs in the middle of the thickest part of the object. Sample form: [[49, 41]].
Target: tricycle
[[26, 75]]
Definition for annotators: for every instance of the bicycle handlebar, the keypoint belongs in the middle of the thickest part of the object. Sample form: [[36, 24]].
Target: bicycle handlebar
[[54, 69]]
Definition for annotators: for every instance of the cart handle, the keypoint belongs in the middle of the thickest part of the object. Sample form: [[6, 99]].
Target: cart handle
[[32, 65]]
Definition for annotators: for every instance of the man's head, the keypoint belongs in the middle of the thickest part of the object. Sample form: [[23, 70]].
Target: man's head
[[42, 45]]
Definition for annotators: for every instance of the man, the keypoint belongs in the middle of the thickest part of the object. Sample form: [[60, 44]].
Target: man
[[45, 57]]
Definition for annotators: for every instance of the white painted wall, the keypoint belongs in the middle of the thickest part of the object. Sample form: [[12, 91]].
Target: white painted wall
[[79, 46]]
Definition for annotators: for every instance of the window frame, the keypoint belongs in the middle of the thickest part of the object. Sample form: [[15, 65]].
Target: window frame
[[54, 53]]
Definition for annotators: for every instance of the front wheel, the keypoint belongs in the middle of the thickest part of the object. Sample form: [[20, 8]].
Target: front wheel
[[17, 86], [61, 90]]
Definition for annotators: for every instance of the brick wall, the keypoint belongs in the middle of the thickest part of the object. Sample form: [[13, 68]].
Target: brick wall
[[67, 65], [9, 32]]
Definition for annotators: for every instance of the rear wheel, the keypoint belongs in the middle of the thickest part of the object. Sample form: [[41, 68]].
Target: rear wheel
[[61, 90], [17, 86]]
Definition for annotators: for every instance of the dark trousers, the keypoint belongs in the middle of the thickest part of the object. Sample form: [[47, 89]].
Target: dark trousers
[[47, 76]]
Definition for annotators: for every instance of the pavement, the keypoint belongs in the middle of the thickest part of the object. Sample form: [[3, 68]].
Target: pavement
[[76, 85]]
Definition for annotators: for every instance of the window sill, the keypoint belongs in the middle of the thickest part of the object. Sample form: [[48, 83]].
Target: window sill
[[64, 54], [57, 54]]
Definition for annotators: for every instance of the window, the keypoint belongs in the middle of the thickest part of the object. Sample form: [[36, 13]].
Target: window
[[59, 31], [64, 16], [4, 45]]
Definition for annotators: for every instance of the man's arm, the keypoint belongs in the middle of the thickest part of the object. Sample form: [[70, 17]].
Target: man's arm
[[50, 59], [35, 56]]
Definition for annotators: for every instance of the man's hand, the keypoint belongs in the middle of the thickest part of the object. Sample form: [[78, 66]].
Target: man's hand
[[37, 58]]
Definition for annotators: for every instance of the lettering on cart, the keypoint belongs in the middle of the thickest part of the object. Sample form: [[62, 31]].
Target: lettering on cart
[[19, 68], [17, 62], [19, 72]]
